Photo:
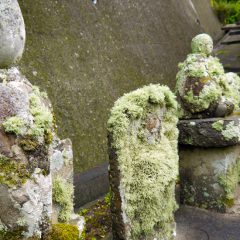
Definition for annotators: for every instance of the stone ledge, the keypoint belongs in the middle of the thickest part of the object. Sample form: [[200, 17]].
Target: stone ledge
[[210, 132]]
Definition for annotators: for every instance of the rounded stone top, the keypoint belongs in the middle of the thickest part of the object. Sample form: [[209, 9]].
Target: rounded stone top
[[202, 43], [12, 33]]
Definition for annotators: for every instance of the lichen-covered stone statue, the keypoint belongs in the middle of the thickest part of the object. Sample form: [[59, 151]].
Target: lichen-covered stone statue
[[203, 89], [36, 167], [26, 130], [143, 164], [209, 100]]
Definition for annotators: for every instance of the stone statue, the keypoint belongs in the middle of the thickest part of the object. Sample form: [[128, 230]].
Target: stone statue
[[203, 89], [143, 164], [36, 167]]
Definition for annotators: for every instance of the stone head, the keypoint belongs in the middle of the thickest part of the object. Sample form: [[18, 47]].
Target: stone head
[[202, 44]]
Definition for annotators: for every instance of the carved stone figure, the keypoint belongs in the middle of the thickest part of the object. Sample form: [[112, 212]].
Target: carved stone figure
[[143, 164], [203, 89]]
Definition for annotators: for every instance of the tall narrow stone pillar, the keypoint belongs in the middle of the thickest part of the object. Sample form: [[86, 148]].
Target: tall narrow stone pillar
[[143, 164]]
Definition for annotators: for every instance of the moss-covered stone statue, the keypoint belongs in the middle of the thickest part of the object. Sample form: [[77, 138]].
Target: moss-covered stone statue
[[203, 89], [36, 170], [143, 164], [209, 102]]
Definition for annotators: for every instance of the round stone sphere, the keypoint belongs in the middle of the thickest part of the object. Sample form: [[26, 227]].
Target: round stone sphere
[[202, 44], [12, 33]]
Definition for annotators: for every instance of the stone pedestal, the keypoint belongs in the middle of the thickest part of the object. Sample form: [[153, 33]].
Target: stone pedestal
[[209, 163]]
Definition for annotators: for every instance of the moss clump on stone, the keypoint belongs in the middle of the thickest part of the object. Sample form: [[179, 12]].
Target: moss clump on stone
[[63, 195], [229, 182], [41, 125], [62, 231], [14, 125], [98, 219], [13, 173], [148, 170], [231, 131], [218, 125], [43, 118], [232, 88], [28, 144]]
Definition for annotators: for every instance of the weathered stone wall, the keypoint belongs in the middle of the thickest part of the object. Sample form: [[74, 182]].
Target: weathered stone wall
[[85, 56]]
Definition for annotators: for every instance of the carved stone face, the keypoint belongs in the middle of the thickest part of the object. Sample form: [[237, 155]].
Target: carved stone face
[[202, 43]]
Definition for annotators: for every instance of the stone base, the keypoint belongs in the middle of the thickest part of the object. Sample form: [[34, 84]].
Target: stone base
[[209, 177], [210, 132]]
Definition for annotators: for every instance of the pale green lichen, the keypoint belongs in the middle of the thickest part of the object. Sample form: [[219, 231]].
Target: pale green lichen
[[63, 196], [218, 125], [42, 119], [232, 88], [14, 125], [231, 131], [229, 182], [148, 170], [202, 43]]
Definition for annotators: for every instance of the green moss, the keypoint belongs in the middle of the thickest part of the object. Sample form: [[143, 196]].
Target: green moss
[[13, 173], [218, 125], [63, 195], [42, 120], [16, 234], [63, 231], [14, 125], [148, 170], [98, 220], [28, 144], [229, 182]]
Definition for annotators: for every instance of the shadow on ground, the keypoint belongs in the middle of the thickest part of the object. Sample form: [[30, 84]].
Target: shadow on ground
[[197, 224]]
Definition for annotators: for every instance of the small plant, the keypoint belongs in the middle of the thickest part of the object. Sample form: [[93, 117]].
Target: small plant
[[228, 11]]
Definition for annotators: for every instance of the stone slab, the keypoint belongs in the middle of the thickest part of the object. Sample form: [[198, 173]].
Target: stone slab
[[210, 132]]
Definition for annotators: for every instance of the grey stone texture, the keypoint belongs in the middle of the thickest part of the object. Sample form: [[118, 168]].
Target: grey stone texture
[[31, 158], [12, 33], [209, 177], [61, 157], [25, 182], [210, 132], [86, 56]]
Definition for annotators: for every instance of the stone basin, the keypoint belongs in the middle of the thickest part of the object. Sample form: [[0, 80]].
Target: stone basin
[[210, 132]]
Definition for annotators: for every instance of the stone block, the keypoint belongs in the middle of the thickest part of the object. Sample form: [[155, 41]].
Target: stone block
[[210, 132], [209, 177], [143, 164]]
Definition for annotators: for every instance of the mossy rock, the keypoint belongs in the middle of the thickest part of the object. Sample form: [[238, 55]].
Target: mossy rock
[[61, 231]]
